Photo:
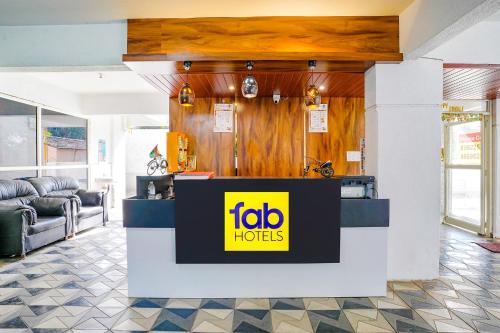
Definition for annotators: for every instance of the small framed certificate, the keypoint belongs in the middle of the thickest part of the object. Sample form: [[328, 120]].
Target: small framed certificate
[[318, 119], [224, 118]]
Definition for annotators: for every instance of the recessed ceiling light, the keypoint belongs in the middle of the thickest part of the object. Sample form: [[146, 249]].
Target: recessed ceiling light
[[231, 88], [321, 88]]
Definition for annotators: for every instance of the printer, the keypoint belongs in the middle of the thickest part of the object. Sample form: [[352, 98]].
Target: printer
[[357, 187]]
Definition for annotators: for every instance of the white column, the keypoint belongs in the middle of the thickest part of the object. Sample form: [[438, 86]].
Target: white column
[[403, 152], [496, 169]]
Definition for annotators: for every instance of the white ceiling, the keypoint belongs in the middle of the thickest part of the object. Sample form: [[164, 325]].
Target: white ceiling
[[90, 82], [494, 17], [474, 45], [30, 12]]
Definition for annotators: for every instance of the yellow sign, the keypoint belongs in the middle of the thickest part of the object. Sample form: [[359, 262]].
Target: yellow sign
[[256, 221]]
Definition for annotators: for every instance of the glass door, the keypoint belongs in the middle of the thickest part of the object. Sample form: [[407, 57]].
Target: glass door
[[465, 174]]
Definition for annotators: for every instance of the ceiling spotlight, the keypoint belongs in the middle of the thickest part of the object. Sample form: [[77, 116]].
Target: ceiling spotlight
[[312, 97], [321, 88], [100, 76], [231, 87], [249, 86], [186, 94]]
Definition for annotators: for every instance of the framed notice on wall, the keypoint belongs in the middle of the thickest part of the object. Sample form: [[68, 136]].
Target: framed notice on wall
[[318, 119], [224, 118]]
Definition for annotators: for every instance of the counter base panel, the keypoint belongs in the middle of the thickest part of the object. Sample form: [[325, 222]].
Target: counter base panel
[[152, 271]]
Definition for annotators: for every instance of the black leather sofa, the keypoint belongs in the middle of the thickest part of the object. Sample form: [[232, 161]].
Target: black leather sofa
[[89, 209], [28, 221]]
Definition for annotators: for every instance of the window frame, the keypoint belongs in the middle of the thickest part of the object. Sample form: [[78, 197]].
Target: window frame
[[39, 168]]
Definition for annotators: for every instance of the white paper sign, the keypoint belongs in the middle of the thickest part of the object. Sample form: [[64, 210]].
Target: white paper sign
[[223, 118], [353, 156], [318, 119]]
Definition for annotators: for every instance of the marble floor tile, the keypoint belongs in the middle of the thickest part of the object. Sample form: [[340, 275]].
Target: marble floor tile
[[80, 285]]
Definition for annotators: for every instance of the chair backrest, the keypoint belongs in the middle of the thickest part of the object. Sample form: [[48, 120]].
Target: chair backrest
[[55, 186], [16, 192]]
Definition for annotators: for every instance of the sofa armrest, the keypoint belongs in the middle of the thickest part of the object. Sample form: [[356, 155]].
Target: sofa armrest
[[14, 222], [90, 198], [46, 206]]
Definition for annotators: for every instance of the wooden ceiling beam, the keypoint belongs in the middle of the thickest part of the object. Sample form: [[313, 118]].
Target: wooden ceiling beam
[[284, 38]]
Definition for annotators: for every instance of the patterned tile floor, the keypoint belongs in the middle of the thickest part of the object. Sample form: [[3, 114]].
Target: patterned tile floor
[[80, 285]]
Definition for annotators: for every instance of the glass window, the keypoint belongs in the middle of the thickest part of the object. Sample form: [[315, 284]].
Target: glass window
[[17, 134], [465, 195], [15, 174], [465, 143], [81, 175], [64, 139]]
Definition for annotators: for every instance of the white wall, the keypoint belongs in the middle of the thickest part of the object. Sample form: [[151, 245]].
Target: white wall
[[110, 128], [426, 24], [100, 128], [115, 114], [63, 45], [127, 148], [139, 143], [403, 140], [473, 46], [144, 103], [31, 89]]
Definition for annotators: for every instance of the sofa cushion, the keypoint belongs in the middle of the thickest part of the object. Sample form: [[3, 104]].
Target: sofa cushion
[[51, 206], [55, 185], [16, 192], [86, 211], [46, 223], [89, 198]]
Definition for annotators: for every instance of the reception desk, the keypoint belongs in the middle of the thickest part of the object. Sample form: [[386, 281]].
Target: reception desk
[[262, 237]]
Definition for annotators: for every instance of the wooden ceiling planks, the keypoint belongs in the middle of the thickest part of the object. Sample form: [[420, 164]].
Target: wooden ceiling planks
[[471, 81], [290, 84]]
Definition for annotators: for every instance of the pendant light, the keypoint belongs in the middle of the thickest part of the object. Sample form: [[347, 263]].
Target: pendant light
[[312, 97], [186, 94], [249, 86]]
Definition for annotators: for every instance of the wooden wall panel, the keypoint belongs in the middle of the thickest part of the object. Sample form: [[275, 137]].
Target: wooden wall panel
[[346, 127], [270, 137], [357, 38], [214, 151]]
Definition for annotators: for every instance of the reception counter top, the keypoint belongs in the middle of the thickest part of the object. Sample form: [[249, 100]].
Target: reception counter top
[[218, 237], [140, 212]]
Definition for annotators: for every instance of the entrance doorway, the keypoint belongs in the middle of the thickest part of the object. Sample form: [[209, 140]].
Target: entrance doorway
[[467, 171]]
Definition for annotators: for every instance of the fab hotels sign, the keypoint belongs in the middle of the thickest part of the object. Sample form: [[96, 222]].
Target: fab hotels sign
[[256, 221]]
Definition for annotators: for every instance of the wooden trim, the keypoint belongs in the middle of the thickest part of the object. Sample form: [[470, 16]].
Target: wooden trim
[[273, 56], [480, 66], [162, 66]]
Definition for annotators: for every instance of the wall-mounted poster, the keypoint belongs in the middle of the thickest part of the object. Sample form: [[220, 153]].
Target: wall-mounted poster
[[224, 118], [318, 119], [101, 150]]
